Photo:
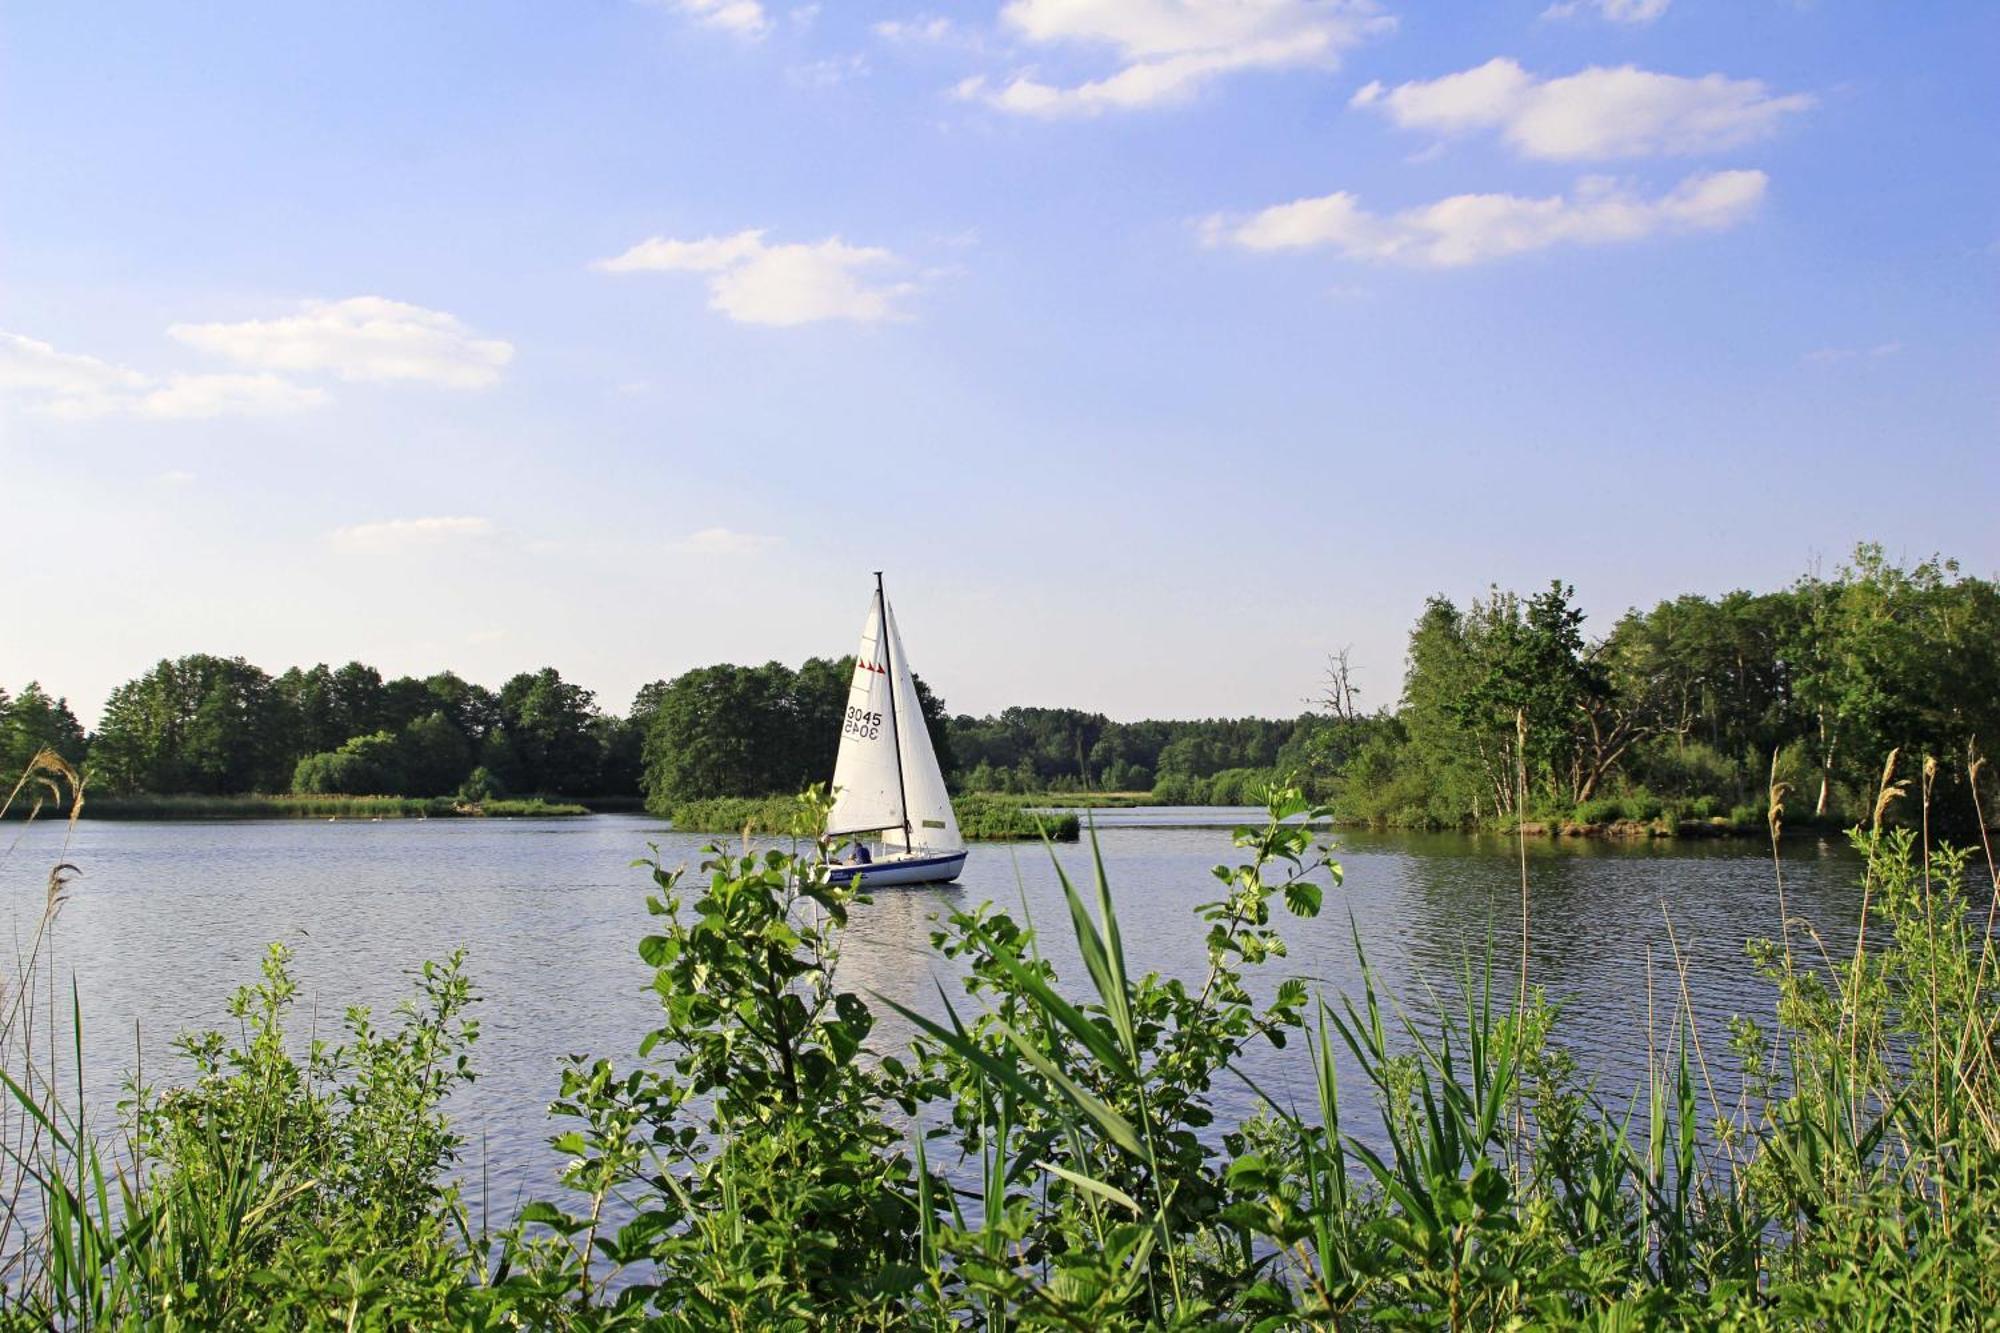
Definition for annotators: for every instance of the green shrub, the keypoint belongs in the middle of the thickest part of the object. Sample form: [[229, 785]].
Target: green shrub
[[1048, 1152], [340, 773], [285, 1185], [480, 785], [1599, 810], [1640, 804]]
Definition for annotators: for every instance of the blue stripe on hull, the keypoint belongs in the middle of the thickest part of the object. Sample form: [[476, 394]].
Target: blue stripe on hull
[[900, 870]]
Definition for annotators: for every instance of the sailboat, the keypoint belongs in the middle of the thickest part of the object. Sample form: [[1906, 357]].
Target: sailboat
[[886, 779]]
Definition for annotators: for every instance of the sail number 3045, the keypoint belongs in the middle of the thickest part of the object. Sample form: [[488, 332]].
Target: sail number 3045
[[864, 725]]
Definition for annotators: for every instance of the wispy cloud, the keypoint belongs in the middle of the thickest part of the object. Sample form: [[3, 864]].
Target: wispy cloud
[[1822, 355], [1472, 228], [399, 534], [360, 338], [1167, 50], [724, 541], [829, 73], [753, 282], [925, 30], [75, 387], [745, 18], [1598, 113], [1635, 12]]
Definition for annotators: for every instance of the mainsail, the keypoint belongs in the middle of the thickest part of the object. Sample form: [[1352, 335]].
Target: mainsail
[[886, 778], [931, 825]]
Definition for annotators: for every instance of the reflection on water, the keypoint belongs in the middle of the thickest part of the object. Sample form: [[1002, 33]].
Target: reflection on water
[[168, 918]]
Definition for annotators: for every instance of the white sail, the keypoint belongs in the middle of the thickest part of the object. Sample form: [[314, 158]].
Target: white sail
[[867, 795], [932, 826]]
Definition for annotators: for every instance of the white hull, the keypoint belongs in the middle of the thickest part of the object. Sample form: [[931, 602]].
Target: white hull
[[884, 871]]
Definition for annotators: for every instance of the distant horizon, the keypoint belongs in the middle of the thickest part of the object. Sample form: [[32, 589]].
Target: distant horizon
[[1155, 349]]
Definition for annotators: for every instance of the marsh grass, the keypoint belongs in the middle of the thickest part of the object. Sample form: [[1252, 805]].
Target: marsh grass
[[981, 817], [324, 807]]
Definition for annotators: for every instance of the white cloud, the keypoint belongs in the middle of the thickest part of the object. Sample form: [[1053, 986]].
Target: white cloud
[[1470, 228], [723, 541], [68, 385], [1598, 113], [784, 285], [397, 534], [1822, 355], [361, 338], [746, 18], [198, 397], [829, 73], [1168, 49], [63, 383], [921, 30], [1614, 11]]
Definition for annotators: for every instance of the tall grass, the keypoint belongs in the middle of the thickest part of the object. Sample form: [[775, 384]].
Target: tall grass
[[323, 807], [981, 817]]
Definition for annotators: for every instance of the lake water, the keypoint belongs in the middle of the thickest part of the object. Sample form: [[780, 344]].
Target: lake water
[[167, 919]]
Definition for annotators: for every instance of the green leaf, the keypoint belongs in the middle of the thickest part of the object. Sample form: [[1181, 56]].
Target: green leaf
[[1303, 897], [1097, 1187]]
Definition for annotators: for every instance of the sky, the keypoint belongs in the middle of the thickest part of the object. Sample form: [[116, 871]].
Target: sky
[[1153, 348]]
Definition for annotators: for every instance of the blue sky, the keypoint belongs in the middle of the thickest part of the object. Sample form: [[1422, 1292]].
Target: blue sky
[[1155, 347]]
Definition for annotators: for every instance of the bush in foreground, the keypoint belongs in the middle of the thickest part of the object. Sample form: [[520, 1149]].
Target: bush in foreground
[[1045, 1153]]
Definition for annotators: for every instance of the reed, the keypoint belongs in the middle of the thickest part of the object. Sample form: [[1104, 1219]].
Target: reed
[[324, 807], [980, 817]]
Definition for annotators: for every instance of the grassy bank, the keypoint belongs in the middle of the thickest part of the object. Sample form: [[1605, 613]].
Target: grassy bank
[[1077, 800], [980, 817], [319, 807]]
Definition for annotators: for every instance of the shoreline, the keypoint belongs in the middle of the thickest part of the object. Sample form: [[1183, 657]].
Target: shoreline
[[166, 809]]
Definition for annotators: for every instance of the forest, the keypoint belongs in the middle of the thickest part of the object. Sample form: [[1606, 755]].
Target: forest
[[1509, 711]]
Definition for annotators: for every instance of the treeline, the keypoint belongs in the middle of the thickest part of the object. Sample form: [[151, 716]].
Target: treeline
[[1061, 750], [1509, 710], [221, 726], [203, 725]]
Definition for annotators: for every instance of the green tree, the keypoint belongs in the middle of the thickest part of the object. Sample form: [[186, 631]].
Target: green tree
[[312, 715], [725, 731], [754, 731], [199, 723], [473, 709], [551, 726], [356, 700], [28, 722], [1889, 658], [433, 755]]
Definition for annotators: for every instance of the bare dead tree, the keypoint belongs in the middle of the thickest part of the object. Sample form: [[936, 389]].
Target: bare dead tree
[[1339, 694]]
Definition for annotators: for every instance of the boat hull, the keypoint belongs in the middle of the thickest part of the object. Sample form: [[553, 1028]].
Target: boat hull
[[924, 868]]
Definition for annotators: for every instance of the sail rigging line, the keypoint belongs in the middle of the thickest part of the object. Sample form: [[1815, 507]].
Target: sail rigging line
[[895, 722]]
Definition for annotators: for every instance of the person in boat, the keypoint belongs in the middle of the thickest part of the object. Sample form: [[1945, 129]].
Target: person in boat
[[857, 854]]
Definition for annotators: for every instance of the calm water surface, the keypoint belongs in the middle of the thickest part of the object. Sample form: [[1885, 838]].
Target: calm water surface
[[168, 918]]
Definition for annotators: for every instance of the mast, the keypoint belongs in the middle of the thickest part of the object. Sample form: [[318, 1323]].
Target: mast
[[895, 722]]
